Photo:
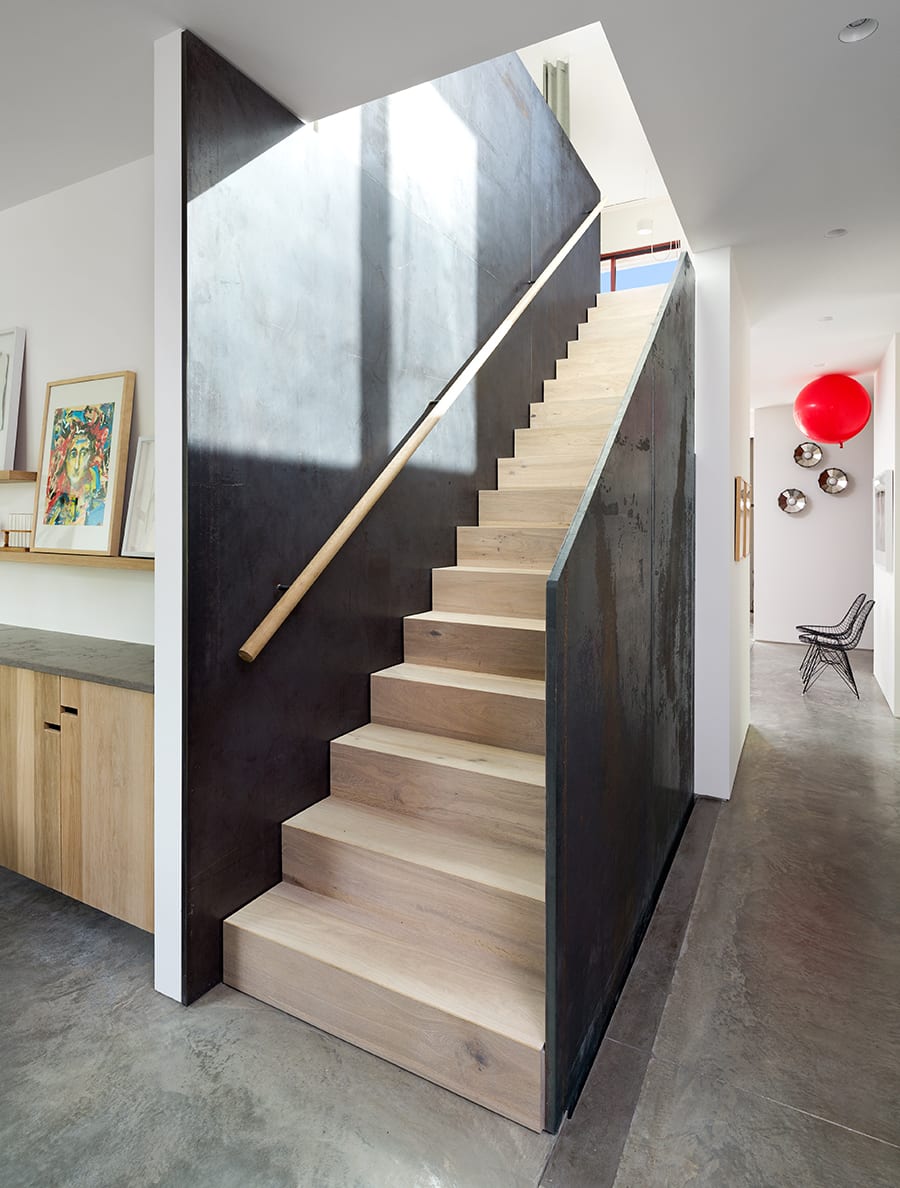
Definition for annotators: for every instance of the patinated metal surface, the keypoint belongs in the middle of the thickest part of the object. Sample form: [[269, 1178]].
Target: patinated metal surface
[[330, 297], [620, 699]]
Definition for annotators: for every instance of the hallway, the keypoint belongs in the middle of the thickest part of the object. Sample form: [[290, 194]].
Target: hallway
[[755, 1045], [776, 1059]]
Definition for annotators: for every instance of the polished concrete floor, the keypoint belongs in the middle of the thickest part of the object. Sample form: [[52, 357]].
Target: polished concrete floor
[[777, 1060], [757, 1041]]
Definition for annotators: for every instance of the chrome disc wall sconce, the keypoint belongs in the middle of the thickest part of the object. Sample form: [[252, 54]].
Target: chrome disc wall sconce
[[791, 501], [833, 481], [808, 453]]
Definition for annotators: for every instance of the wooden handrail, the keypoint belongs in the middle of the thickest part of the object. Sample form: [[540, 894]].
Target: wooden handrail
[[333, 545]]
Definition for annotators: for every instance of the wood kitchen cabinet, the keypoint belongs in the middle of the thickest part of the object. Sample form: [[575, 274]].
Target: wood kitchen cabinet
[[76, 789], [29, 774]]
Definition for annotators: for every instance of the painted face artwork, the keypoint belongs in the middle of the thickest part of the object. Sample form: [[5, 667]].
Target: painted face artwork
[[78, 477]]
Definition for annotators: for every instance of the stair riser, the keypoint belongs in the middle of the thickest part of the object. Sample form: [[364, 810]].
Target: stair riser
[[590, 412], [522, 594], [568, 442], [514, 473], [509, 651], [498, 719], [578, 387], [474, 803], [486, 1068], [528, 507], [523, 548], [469, 917]]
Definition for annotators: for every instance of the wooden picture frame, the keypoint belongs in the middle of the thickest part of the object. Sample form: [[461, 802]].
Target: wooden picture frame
[[743, 511], [83, 460], [12, 359], [138, 537]]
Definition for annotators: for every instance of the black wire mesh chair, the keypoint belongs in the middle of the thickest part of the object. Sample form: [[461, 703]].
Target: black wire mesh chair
[[839, 628], [830, 651]]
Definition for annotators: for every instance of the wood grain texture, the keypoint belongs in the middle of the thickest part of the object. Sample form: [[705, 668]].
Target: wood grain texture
[[110, 744], [472, 895], [591, 410], [490, 792], [514, 473], [493, 591], [499, 711], [567, 441], [478, 1034], [479, 643], [29, 774], [82, 559], [18, 476], [532, 546], [553, 505]]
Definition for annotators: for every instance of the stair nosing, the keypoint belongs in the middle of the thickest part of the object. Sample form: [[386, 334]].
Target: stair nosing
[[489, 753]]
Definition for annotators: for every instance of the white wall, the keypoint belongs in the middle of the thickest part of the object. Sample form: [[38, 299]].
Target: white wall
[[886, 453], [721, 681], [739, 449], [168, 722], [808, 567], [78, 275]]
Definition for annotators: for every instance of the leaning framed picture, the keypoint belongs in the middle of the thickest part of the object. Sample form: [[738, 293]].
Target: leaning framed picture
[[84, 454], [12, 356], [138, 538]]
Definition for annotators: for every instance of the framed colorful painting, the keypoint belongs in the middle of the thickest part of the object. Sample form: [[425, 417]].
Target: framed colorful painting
[[12, 356], [84, 455]]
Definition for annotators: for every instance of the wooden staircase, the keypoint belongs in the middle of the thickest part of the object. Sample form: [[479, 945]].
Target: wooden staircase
[[411, 918]]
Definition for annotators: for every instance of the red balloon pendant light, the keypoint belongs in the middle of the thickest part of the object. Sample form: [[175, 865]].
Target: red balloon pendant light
[[833, 408]]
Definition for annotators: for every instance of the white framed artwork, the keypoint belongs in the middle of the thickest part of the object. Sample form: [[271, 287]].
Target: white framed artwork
[[139, 540], [883, 520], [12, 357]]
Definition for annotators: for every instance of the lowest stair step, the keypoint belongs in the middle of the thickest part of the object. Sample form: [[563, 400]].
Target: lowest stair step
[[479, 643], [476, 1031], [462, 895], [502, 711], [492, 792]]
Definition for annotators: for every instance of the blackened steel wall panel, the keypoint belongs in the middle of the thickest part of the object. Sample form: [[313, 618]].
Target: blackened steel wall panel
[[337, 277], [620, 699]]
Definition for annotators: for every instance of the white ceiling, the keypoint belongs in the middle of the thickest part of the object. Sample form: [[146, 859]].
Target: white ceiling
[[766, 129], [769, 132]]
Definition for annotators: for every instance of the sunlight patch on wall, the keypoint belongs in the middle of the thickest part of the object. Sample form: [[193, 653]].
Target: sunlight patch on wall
[[433, 175]]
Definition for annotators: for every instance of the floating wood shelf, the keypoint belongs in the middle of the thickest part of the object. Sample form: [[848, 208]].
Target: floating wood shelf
[[143, 563], [18, 476]]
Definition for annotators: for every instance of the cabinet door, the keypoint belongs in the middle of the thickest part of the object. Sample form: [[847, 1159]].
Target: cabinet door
[[29, 774], [107, 798]]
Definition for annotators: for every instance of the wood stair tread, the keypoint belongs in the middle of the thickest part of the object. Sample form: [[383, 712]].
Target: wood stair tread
[[449, 752], [508, 1001], [513, 869], [461, 678], [479, 620]]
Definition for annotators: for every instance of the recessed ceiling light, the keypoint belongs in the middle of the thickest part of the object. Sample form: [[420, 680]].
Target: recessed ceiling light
[[645, 227], [836, 233], [858, 30]]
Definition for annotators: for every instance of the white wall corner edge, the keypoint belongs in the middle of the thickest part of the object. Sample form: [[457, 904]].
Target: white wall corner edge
[[169, 585]]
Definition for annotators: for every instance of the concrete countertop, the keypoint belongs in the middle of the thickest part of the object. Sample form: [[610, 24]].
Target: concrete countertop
[[106, 661]]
